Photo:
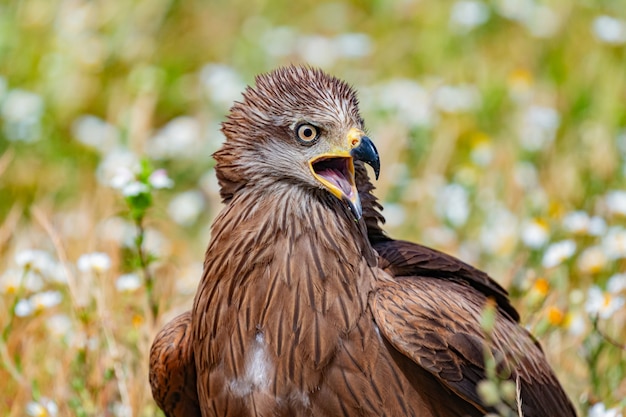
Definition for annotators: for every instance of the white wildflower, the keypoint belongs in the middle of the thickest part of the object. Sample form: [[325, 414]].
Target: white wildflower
[[118, 230], [128, 283], [12, 279], [134, 188], [614, 243], [37, 302], [579, 222], [22, 111], [57, 273], [97, 262], [576, 222], [597, 226], [122, 176], [544, 22], [185, 208], [96, 133], [617, 283], [482, 153], [122, 410], [525, 175], [80, 340], [353, 45], [468, 14], [405, 99], [35, 260], [610, 30], [577, 325], [452, 204], [179, 138], [43, 408], [602, 304], [540, 20], [159, 179], [222, 83], [535, 233], [558, 252], [499, 234], [317, 50], [24, 308], [279, 41], [457, 99], [519, 10], [538, 127], [119, 161], [616, 202], [600, 410], [47, 299]]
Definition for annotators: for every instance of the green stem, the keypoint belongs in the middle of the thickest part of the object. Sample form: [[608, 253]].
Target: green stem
[[606, 337], [593, 359], [144, 263]]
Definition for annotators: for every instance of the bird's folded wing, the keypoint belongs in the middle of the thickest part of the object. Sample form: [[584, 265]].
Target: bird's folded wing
[[172, 369], [437, 324], [402, 258]]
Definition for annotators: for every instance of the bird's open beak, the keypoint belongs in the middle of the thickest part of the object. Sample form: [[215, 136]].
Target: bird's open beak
[[335, 170]]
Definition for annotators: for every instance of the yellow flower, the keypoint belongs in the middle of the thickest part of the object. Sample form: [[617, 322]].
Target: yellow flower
[[556, 210], [537, 293], [542, 286], [520, 79], [137, 320], [555, 316]]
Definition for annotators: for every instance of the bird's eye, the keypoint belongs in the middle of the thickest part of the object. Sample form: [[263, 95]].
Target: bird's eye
[[307, 133]]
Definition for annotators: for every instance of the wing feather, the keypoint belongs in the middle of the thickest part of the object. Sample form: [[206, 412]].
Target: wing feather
[[436, 323], [172, 369], [401, 258]]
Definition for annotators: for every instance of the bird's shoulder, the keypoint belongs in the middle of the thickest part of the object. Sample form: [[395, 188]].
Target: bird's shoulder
[[408, 259]]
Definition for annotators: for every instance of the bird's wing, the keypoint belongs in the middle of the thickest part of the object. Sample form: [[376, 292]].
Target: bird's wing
[[401, 258], [437, 324], [172, 369]]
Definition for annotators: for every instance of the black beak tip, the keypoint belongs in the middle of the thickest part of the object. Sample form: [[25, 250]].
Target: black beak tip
[[366, 152], [376, 169]]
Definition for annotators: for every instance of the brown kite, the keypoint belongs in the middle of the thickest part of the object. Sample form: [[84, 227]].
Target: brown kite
[[307, 308]]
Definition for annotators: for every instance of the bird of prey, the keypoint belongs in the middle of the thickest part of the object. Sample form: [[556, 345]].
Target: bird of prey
[[307, 308]]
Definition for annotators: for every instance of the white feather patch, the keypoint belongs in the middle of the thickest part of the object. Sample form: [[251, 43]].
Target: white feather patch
[[258, 370]]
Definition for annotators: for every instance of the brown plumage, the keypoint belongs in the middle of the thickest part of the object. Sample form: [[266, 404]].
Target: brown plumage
[[306, 307]]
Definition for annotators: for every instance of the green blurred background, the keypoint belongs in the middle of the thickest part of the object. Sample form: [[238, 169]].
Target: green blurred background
[[501, 127]]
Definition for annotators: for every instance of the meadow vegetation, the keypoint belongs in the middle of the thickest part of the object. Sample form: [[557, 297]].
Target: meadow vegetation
[[501, 127]]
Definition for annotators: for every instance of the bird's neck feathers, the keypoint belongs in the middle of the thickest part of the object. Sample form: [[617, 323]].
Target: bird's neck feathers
[[262, 217]]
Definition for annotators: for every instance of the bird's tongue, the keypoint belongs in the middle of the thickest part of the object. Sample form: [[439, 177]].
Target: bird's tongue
[[336, 172]]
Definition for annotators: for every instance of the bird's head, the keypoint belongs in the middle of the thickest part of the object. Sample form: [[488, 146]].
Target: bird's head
[[300, 125]]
